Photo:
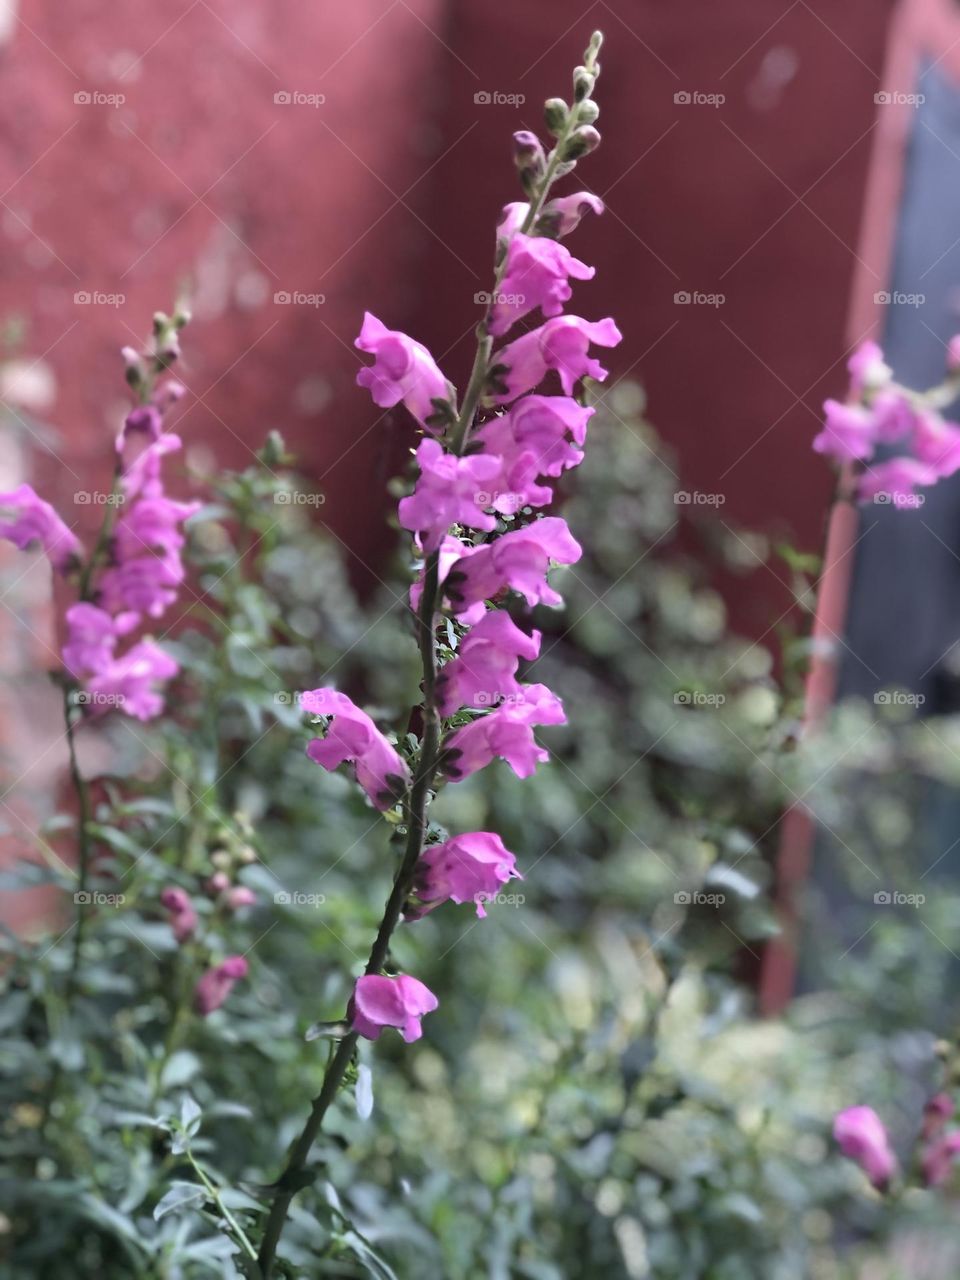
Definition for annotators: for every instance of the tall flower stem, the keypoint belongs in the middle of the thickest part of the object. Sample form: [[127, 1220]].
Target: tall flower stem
[[294, 1177]]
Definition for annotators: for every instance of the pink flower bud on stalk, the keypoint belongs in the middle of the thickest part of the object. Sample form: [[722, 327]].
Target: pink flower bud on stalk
[[861, 1135], [216, 984], [470, 475]]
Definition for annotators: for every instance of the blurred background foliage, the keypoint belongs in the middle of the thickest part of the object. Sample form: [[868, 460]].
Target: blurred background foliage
[[596, 1094]]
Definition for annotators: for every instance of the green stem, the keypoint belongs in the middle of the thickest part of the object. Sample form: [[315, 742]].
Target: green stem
[[214, 1193], [84, 846]]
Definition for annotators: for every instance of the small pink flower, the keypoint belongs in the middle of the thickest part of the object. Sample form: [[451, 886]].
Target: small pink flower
[[402, 370], [552, 428], [936, 443], [380, 1002], [484, 671], [849, 432], [936, 1113], [562, 215], [467, 868], [538, 273], [92, 636], [128, 681], [507, 733], [519, 560], [562, 344], [33, 520], [183, 918], [450, 490], [867, 369], [216, 884], [216, 984], [895, 481], [939, 1158], [240, 896], [862, 1136], [352, 735]]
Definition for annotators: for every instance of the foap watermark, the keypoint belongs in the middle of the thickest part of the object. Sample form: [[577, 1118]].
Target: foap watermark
[[298, 498], [297, 298], [297, 899], [505, 501], [694, 498], [697, 698], [499, 899], [894, 898], [897, 298], [697, 898], [894, 98], [497, 98], [94, 98], [898, 698], [90, 698], [890, 498], [98, 498], [96, 298], [494, 698], [93, 898], [499, 299], [297, 98], [695, 298], [694, 98]]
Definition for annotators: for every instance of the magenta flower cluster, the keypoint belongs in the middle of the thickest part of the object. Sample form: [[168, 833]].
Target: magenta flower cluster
[[862, 1136], [474, 515], [143, 572], [896, 438]]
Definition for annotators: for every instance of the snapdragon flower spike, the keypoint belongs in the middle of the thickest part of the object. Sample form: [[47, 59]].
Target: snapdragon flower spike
[[403, 370], [484, 671], [562, 344], [551, 428], [507, 733], [450, 490], [379, 1001], [467, 868], [33, 521], [538, 274], [183, 917], [216, 984], [861, 1135], [128, 682], [352, 736]]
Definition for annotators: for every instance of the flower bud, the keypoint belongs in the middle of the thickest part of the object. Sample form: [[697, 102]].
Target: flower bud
[[589, 111], [581, 143], [555, 112], [218, 883], [583, 82], [529, 157], [221, 859]]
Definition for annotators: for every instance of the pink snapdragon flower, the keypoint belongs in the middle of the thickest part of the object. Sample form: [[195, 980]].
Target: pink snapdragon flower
[[868, 371], [506, 733], [450, 490], [557, 218], [519, 560], [35, 521], [216, 984], [552, 428], [484, 671], [538, 274], [862, 1136], [939, 1158], [92, 636], [895, 481], [849, 432], [936, 442], [128, 682], [379, 1002], [562, 344], [402, 370], [352, 736], [467, 868], [240, 896], [183, 917]]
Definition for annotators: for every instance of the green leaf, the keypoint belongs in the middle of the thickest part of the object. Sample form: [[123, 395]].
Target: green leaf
[[182, 1195]]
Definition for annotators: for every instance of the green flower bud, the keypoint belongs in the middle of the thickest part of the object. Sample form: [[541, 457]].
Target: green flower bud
[[583, 82], [555, 112], [581, 143], [588, 111]]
